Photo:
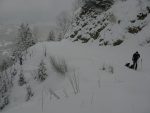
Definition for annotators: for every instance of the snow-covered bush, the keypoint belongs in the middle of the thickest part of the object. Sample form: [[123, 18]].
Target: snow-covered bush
[[142, 16], [42, 74], [134, 29]]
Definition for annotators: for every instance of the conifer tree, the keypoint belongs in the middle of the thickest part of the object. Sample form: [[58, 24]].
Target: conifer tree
[[21, 81], [51, 36], [4, 92], [24, 40], [42, 75]]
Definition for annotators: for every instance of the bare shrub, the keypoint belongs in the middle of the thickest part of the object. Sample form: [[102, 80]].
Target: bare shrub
[[74, 81], [107, 68], [103, 67], [111, 69], [54, 94], [59, 65], [29, 93]]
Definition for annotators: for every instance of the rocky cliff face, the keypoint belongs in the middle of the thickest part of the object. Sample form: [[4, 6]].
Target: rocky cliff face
[[110, 23]]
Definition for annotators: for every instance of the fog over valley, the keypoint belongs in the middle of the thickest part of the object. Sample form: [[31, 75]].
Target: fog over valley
[[31, 11]]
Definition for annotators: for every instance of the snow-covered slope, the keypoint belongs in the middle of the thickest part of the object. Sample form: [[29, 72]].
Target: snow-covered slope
[[102, 83], [124, 20], [105, 84]]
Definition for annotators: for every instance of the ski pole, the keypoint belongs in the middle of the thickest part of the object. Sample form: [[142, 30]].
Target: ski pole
[[141, 63]]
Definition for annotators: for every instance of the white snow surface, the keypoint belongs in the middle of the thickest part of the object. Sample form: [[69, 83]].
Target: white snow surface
[[124, 91]]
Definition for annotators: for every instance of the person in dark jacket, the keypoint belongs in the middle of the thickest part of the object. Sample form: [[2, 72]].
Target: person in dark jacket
[[135, 59]]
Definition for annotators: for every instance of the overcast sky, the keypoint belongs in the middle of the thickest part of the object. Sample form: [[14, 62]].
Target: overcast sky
[[31, 11]]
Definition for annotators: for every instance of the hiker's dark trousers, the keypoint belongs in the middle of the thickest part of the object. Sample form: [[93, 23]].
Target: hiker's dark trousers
[[135, 65]]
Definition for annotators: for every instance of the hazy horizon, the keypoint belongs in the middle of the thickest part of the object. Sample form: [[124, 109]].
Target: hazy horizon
[[32, 11]]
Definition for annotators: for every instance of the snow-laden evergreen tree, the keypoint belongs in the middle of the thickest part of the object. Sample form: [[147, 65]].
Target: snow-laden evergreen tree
[[51, 36], [4, 73], [42, 74], [4, 65], [60, 37], [22, 80], [24, 41], [4, 91], [5, 83], [63, 21]]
